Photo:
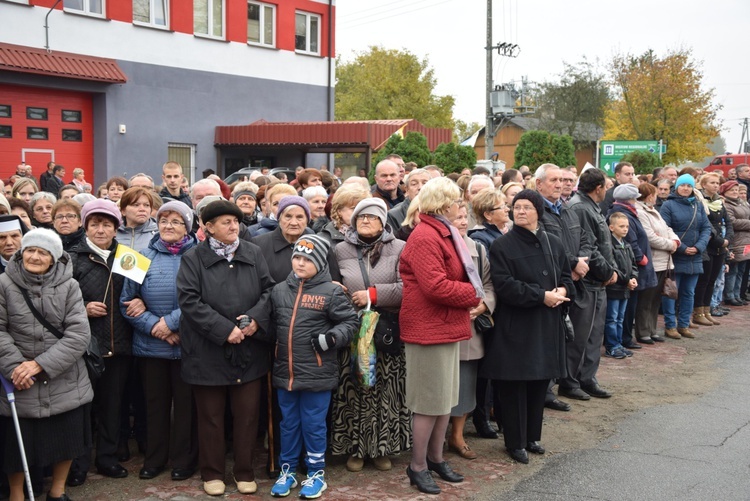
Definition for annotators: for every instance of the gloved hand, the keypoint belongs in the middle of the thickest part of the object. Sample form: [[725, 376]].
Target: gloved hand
[[323, 342]]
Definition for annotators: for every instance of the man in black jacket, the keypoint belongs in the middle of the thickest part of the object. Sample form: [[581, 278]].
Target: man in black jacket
[[624, 174], [589, 311], [578, 244]]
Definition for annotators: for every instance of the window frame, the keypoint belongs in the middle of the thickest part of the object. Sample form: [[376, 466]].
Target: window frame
[[9, 128], [223, 35], [151, 23], [8, 107], [42, 130], [86, 11], [40, 110], [74, 135], [261, 22], [308, 17]]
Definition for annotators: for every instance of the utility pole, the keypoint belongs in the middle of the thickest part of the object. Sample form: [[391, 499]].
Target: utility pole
[[489, 129], [745, 138]]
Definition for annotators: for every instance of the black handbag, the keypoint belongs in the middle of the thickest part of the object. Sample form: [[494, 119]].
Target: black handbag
[[483, 322], [92, 357], [387, 335]]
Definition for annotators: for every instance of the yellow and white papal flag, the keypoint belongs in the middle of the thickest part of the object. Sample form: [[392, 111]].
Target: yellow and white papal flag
[[130, 264]]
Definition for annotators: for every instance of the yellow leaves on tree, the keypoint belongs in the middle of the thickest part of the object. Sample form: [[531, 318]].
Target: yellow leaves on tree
[[390, 84], [662, 99]]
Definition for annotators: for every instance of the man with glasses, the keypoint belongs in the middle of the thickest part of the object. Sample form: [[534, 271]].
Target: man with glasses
[[569, 179], [564, 224]]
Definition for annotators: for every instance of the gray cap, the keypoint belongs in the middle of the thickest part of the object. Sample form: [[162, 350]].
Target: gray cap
[[626, 192], [206, 200]]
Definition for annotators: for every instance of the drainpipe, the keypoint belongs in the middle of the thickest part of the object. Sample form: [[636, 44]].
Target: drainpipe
[[46, 27], [331, 158]]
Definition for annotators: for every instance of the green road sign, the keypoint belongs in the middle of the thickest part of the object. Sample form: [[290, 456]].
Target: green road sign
[[612, 152]]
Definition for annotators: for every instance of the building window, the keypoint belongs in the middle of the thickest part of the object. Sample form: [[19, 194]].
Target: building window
[[307, 33], [37, 133], [208, 18], [90, 7], [151, 12], [261, 24], [5, 111], [6, 131], [183, 154], [71, 116], [36, 113], [72, 135]]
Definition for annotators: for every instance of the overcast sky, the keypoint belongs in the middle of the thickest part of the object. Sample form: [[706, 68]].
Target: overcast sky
[[451, 33]]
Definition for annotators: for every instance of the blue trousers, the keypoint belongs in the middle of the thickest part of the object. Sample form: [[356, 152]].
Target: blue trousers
[[733, 282], [718, 290], [613, 323], [685, 299], [303, 417]]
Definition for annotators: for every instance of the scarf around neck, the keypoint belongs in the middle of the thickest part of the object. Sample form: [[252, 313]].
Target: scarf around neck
[[464, 256], [224, 250], [102, 253], [174, 248]]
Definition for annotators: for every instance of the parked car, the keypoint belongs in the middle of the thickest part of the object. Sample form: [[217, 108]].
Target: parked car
[[236, 176]]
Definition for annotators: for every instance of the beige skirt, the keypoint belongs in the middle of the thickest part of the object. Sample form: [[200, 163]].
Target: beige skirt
[[432, 378]]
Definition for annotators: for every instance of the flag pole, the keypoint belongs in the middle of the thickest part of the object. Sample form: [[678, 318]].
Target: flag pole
[[106, 291]]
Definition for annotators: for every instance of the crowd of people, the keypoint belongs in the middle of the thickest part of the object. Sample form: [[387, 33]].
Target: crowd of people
[[325, 315]]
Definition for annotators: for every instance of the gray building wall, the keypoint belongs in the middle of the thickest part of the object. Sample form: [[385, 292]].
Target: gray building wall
[[161, 105]]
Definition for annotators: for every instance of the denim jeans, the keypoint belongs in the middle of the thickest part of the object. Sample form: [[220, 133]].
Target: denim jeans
[[613, 323], [685, 298], [734, 280], [718, 290]]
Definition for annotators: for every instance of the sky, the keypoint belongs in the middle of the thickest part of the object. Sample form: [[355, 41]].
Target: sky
[[452, 35]]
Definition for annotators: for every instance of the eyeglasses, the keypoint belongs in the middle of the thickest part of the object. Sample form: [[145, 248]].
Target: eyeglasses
[[173, 224], [66, 217], [499, 207], [367, 217]]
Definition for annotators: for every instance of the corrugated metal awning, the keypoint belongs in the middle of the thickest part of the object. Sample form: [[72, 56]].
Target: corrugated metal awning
[[62, 64], [320, 136]]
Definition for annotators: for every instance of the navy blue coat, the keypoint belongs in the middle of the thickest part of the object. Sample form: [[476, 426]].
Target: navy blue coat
[[486, 235], [159, 292], [678, 212], [638, 241]]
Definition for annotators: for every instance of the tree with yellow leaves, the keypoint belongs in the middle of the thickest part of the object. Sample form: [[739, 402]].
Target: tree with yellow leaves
[[662, 98]]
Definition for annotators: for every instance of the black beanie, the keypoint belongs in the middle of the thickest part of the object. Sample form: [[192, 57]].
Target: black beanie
[[535, 199]]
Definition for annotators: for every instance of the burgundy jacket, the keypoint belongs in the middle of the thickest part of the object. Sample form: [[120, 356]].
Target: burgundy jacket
[[437, 294]]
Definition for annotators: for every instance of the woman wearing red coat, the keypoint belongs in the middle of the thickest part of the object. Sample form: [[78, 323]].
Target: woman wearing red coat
[[440, 287]]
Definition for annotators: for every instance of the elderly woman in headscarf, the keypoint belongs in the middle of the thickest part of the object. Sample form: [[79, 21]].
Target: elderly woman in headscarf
[[532, 279], [47, 371], [224, 339], [371, 422], [441, 287]]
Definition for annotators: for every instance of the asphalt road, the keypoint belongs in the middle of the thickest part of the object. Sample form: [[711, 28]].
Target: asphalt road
[[694, 451]]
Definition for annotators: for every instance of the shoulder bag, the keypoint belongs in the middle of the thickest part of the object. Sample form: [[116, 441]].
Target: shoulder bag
[[92, 357], [483, 322], [387, 333]]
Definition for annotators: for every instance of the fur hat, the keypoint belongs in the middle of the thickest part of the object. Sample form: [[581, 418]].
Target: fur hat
[[102, 207], [180, 208], [314, 248], [372, 206], [290, 200], [44, 239], [626, 192], [220, 208]]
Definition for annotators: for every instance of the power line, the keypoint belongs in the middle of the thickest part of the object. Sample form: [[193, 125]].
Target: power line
[[382, 7]]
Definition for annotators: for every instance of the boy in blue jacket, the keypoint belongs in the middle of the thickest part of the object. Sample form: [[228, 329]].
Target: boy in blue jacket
[[313, 318]]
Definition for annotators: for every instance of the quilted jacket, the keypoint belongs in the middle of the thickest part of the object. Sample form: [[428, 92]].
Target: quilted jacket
[[159, 292], [113, 333], [63, 385]]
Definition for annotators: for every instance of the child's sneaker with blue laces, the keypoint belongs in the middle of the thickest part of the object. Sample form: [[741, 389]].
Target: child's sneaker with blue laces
[[285, 483], [313, 486]]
